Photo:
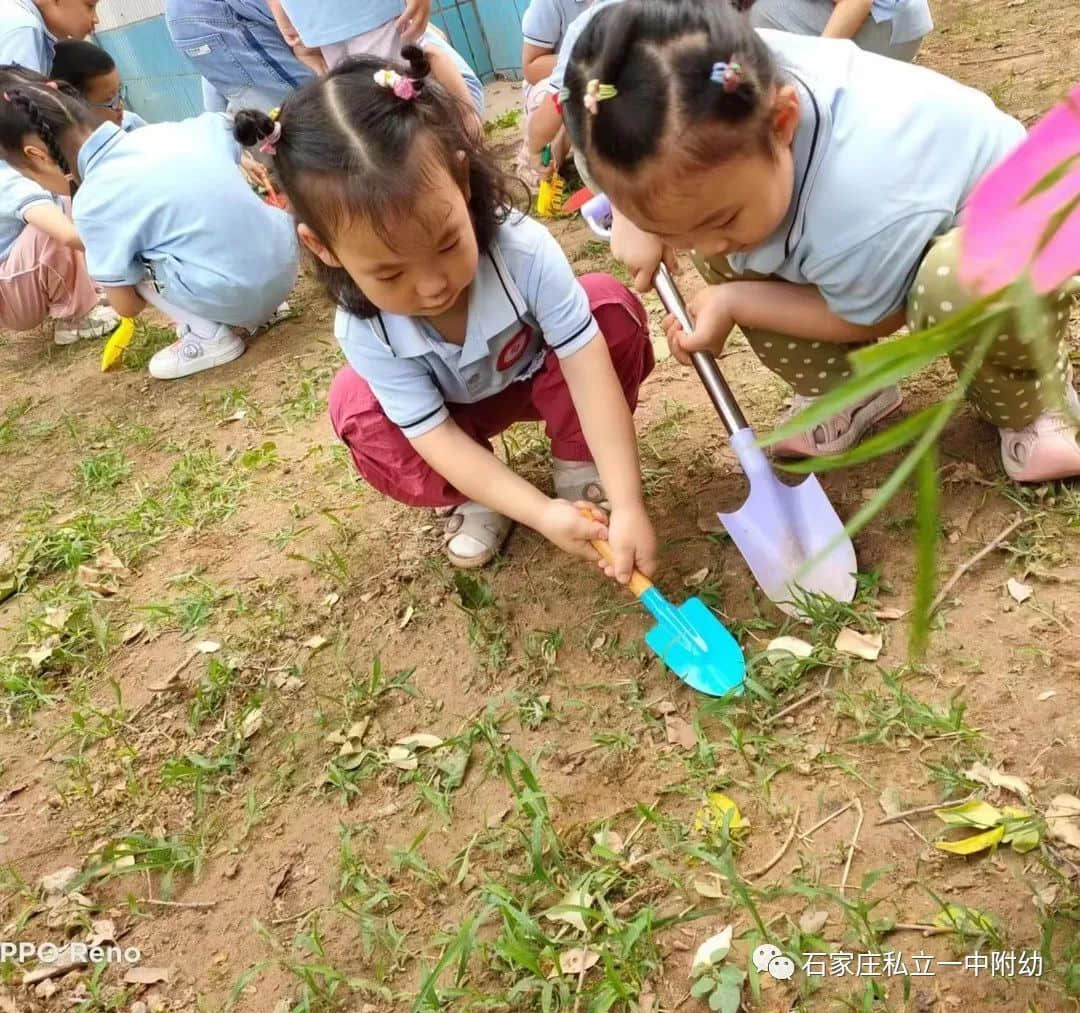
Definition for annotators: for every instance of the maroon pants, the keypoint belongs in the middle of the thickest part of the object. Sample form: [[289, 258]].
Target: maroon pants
[[385, 458]]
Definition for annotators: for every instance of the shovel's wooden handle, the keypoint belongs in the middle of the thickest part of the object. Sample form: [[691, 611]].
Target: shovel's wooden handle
[[639, 583]]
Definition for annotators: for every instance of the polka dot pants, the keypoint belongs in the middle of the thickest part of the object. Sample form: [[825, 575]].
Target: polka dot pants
[[1008, 390]]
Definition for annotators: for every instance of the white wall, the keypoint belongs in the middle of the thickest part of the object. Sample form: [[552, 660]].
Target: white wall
[[118, 13]]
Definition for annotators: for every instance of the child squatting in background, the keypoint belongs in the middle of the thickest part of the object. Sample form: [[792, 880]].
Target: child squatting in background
[[164, 213], [754, 150], [43, 271], [458, 317], [29, 29], [93, 74]]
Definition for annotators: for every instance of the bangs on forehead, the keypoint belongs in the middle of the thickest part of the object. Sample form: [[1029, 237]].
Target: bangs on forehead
[[386, 202]]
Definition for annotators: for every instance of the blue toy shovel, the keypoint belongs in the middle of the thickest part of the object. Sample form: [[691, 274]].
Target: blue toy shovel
[[790, 536], [689, 639]]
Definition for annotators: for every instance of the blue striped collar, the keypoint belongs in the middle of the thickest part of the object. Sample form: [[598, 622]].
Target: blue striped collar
[[100, 141]]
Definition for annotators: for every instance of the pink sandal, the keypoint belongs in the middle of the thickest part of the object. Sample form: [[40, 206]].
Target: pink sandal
[[843, 431], [1046, 450]]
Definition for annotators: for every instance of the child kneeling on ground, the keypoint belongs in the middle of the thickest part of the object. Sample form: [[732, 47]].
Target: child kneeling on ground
[[459, 317]]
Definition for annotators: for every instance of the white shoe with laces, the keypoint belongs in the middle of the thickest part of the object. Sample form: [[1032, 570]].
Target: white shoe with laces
[[192, 354], [99, 322]]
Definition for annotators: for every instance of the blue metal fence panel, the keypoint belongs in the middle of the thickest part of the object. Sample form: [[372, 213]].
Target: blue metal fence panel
[[486, 32], [159, 83]]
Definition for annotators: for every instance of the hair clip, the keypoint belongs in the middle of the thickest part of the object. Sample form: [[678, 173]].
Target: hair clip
[[595, 93], [270, 142], [730, 75], [403, 87], [274, 113]]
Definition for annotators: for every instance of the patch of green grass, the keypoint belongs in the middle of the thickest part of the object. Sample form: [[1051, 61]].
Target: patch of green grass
[[193, 610], [506, 121], [487, 624], [103, 472], [148, 339], [884, 718]]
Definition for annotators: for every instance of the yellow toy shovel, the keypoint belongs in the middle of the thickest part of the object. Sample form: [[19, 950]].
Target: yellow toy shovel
[[113, 351]]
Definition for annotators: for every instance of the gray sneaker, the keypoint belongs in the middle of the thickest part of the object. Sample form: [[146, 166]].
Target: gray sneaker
[[99, 322]]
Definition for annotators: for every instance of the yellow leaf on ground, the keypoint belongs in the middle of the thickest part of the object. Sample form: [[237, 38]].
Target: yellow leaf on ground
[[970, 814], [974, 844], [710, 817]]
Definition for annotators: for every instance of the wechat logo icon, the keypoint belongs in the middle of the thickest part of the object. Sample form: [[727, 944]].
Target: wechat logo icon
[[768, 959]]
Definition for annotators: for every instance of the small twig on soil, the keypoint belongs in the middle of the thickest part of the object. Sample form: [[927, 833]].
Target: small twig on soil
[[974, 560], [828, 819], [916, 832], [195, 905], [757, 873], [297, 917], [926, 930], [999, 59], [922, 810], [854, 844]]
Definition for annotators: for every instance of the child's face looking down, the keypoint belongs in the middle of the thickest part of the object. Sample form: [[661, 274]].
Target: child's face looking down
[[425, 264], [69, 19], [103, 93], [731, 207]]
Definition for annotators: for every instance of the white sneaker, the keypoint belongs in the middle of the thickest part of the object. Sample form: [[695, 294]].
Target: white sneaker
[[101, 320], [192, 354], [283, 312]]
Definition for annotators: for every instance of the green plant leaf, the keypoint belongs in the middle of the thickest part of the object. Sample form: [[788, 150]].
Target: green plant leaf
[[703, 986], [975, 813], [928, 527], [966, 920], [730, 999]]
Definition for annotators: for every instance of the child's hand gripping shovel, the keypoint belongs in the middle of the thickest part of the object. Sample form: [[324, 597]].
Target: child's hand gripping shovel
[[791, 537], [688, 638]]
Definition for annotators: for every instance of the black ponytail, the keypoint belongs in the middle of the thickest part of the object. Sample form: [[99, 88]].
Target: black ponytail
[[30, 104], [346, 149], [665, 60]]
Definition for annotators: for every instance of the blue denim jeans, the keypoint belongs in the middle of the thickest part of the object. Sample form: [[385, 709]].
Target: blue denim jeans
[[236, 46]]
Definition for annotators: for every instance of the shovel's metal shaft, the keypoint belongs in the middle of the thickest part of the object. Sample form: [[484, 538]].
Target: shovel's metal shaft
[[715, 385]]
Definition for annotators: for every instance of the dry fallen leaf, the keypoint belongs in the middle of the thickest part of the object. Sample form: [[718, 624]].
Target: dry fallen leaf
[[996, 779], [577, 961], [421, 740], [890, 802], [97, 582], [1019, 593], [207, 647], [37, 656], [237, 416], [711, 888], [567, 910], [402, 758], [252, 722], [610, 839], [315, 643], [791, 645], [331, 600], [1046, 695], [407, 617], [889, 614], [812, 922], [56, 883], [862, 645], [147, 975], [697, 579], [713, 950], [1063, 820], [57, 618], [102, 931], [108, 560], [132, 633], [679, 732]]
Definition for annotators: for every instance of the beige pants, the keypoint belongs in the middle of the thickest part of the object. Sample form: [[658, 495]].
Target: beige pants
[[1008, 390]]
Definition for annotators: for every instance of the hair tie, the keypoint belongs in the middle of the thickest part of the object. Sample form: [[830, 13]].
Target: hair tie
[[729, 75], [595, 93], [403, 87], [270, 142]]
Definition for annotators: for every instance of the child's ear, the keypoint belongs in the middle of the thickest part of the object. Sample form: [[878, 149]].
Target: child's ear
[[785, 115], [40, 160], [316, 246]]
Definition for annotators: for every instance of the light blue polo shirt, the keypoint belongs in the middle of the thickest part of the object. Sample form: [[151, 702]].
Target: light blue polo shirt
[[523, 302], [324, 22], [170, 198], [24, 39], [886, 153], [910, 19], [17, 195], [131, 121], [546, 21]]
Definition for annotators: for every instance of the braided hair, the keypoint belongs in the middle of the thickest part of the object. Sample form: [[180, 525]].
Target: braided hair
[[30, 104], [686, 78], [358, 144]]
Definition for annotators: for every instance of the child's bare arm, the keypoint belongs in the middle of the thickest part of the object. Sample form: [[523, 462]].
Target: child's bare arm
[[544, 126], [125, 300], [537, 63], [847, 18], [50, 219], [481, 476], [609, 432]]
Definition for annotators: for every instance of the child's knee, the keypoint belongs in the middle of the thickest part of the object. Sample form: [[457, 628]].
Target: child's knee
[[623, 320], [937, 291], [352, 405]]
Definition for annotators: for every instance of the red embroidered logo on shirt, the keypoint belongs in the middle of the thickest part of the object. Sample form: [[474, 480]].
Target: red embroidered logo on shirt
[[514, 349]]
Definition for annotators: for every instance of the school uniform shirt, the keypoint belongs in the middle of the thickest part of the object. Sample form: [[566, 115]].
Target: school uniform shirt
[[324, 22], [523, 302], [169, 199], [131, 121], [910, 19], [17, 195], [24, 39], [886, 153], [546, 21]]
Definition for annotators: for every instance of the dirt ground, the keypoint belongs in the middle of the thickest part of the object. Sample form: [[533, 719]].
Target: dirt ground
[[218, 639]]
